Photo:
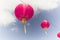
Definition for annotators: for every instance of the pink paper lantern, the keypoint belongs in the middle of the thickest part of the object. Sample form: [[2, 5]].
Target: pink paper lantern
[[58, 34], [24, 12], [45, 24]]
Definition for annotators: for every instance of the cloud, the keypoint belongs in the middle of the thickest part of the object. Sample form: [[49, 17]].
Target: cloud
[[28, 24], [43, 4], [11, 4], [15, 29], [6, 18], [58, 1]]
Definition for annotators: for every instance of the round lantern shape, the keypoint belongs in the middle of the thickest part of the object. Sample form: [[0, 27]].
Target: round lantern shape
[[45, 24], [24, 12], [58, 34]]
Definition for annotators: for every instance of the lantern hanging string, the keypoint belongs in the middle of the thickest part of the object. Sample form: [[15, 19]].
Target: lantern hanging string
[[22, 1]]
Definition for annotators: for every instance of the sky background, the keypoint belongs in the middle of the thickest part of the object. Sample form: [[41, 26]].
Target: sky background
[[13, 29]]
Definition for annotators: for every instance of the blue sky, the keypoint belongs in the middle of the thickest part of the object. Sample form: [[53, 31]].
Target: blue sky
[[13, 29]]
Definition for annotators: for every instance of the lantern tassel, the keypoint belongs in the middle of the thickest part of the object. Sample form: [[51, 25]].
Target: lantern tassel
[[24, 22], [25, 28], [45, 28]]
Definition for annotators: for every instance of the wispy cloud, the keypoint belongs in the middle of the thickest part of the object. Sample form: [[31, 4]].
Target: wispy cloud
[[6, 18], [43, 4], [15, 29]]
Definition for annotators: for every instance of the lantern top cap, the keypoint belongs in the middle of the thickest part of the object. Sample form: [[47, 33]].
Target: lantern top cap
[[45, 21]]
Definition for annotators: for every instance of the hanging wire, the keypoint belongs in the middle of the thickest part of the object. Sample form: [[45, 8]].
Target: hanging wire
[[22, 1]]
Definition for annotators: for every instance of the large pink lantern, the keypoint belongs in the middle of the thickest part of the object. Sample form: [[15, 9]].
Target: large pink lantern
[[24, 12]]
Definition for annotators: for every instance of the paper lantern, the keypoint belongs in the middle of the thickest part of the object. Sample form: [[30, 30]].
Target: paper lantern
[[45, 24], [58, 34], [24, 12]]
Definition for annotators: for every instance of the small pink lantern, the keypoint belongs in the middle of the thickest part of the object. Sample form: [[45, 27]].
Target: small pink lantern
[[24, 12], [58, 34], [45, 24]]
